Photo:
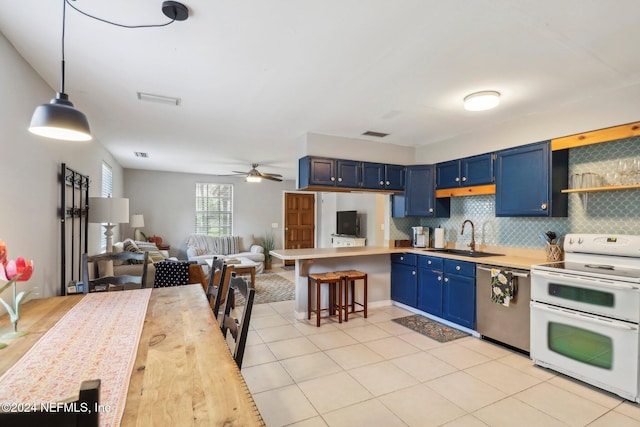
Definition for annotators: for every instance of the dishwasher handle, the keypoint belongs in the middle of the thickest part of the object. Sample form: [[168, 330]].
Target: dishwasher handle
[[516, 273]]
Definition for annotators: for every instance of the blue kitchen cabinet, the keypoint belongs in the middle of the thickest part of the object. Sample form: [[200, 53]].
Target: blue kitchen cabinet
[[317, 171], [380, 176], [459, 292], [430, 285], [404, 279], [529, 179], [420, 195], [475, 170], [397, 205]]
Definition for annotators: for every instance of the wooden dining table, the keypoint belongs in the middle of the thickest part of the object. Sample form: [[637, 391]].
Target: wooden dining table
[[183, 373]]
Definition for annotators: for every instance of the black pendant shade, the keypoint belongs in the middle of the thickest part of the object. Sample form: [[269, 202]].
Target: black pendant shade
[[60, 120]]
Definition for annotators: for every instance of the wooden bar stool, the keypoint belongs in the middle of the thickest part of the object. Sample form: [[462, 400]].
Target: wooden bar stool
[[349, 278], [335, 283]]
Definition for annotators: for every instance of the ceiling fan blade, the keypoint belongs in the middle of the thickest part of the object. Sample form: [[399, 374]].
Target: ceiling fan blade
[[270, 174], [271, 178], [241, 173]]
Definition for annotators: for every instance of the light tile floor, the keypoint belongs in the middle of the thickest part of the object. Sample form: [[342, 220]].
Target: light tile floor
[[373, 372]]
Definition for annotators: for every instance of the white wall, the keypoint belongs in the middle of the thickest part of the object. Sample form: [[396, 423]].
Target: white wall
[[167, 201], [29, 169]]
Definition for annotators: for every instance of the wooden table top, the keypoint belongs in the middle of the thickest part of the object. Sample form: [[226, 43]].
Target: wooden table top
[[183, 373]]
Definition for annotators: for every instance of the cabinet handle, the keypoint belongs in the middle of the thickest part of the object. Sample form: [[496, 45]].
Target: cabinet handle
[[439, 278], [381, 182], [333, 178], [457, 179], [388, 183], [401, 258], [429, 262], [339, 179], [431, 210], [413, 272], [464, 178], [446, 279], [458, 267], [544, 206]]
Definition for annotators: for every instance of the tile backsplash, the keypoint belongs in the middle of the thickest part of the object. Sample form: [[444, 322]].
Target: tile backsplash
[[599, 212]]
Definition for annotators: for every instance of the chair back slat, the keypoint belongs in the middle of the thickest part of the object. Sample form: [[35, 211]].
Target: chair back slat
[[93, 281]]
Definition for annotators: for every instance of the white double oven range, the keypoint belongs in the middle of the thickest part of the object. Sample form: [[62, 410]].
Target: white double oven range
[[585, 312]]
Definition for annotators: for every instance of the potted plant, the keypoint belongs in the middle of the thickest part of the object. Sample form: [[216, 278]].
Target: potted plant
[[269, 244]]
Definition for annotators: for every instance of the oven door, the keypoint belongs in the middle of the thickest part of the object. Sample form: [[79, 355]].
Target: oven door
[[599, 351], [609, 298]]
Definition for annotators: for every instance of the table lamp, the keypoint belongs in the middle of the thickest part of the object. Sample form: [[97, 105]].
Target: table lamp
[[108, 211], [137, 222]]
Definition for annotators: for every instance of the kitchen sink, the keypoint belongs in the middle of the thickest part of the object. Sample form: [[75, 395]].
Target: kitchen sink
[[463, 252]]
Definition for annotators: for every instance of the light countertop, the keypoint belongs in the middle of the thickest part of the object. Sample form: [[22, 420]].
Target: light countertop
[[513, 257]]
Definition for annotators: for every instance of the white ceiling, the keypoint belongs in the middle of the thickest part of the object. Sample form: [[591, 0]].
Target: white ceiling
[[254, 76]]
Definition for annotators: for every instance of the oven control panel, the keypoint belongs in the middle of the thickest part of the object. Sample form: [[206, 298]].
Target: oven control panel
[[603, 244]]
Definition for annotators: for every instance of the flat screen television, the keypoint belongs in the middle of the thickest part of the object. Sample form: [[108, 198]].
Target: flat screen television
[[347, 223]]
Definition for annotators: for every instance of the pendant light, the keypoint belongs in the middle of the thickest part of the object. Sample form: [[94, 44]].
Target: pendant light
[[59, 119]]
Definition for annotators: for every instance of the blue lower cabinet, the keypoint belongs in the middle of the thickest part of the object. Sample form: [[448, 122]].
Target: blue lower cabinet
[[459, 293], [430, 291], [404, 279]]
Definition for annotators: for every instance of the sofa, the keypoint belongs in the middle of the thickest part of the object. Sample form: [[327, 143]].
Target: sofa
[[196, 272], [201, 247]]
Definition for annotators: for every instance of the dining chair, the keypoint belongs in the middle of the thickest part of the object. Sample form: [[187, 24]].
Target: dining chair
[[238, 327], [106, 280], [66, 414], [222, 290]]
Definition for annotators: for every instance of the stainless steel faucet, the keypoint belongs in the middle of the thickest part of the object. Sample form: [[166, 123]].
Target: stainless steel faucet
[[471, 245]]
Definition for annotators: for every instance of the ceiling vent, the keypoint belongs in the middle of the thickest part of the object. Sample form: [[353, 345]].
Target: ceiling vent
[[376, 134], [159, 99], [141, 154]]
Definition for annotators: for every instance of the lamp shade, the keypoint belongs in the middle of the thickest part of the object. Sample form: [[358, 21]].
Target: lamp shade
[[112, 210], [137, 221], [60, 120]]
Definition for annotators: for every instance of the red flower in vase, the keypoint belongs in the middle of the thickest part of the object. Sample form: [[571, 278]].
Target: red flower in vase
[[20, 269]]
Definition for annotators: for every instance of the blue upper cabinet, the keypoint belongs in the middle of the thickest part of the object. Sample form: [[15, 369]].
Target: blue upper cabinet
[[420, 197], [529, 179], [382, 176], [475, 170], [326, 172]]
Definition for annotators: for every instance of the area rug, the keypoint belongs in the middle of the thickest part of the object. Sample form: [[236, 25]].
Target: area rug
[[430, 328], [271, 287]]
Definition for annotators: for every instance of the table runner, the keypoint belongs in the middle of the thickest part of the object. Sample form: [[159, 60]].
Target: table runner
[[97, 339]]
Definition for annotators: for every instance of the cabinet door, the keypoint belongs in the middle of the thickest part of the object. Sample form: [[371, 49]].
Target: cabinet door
[[430, 291], [448, 174], [394, 177], [322, 172], [459, 300], [397, 206], [373, 175], [523, 181], [477, 170], [404, 283], [348, 173], [420, 198]]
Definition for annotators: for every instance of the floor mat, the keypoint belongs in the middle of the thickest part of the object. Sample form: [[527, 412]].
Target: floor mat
[[430, 328], [271, 287]]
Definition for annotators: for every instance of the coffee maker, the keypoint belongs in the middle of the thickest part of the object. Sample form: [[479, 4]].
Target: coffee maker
[[420, 237]]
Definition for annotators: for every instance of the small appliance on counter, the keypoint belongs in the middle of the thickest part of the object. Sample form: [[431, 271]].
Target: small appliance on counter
[[420, 237]]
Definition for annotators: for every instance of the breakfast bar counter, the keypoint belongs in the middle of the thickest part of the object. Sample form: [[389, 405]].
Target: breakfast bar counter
[[374, 260]]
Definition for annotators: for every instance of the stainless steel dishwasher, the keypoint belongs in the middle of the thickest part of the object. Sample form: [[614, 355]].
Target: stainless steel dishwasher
[[508, 325]]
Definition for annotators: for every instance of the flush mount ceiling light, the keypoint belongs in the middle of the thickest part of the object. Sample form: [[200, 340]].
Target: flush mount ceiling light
[[59, 119], [480, 101]]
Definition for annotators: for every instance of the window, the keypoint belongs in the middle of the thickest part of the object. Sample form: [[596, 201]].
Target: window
[[214, 209], [106, 191]]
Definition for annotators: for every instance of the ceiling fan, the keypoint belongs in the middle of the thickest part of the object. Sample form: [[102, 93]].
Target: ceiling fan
[[254, 175]]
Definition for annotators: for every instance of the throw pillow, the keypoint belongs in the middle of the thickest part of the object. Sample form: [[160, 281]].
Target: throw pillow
[[229, 245], [154, 253]]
